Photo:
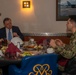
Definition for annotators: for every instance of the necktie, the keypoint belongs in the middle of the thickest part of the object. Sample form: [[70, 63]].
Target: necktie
[[9, 35]]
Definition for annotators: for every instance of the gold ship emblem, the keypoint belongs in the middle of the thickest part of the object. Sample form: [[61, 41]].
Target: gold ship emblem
[[41, 70]]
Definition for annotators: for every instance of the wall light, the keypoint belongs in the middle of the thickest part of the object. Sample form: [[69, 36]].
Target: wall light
[[26, 4]]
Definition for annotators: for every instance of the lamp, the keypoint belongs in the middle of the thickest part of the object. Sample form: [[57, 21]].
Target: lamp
[[26, 4]]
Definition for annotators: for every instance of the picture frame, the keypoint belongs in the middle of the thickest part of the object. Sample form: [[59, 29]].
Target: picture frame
[[64, 8]]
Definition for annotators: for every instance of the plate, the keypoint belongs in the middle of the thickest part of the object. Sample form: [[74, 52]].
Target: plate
[[17, 40]]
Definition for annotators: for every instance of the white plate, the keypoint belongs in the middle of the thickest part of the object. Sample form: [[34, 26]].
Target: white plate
[[15, 40]]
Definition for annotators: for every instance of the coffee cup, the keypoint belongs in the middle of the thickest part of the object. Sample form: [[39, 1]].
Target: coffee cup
[[50, 50]]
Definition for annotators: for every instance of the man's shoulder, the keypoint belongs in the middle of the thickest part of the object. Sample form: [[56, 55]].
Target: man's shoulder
[[2, 31], [15, 27], [2, 28]]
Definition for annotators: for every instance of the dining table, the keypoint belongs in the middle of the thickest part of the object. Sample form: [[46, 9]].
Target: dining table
[[6, 61]]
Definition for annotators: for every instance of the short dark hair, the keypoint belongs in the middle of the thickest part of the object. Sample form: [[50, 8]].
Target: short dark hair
[[72, 18], [6, 19]]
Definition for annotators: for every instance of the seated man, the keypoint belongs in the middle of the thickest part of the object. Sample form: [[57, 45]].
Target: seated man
[[9, 31], [67, 51]]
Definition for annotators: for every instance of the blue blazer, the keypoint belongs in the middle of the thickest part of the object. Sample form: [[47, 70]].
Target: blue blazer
[[14, 29]]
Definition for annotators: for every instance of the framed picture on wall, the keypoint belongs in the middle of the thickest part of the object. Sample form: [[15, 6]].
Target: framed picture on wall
[[64, 8]]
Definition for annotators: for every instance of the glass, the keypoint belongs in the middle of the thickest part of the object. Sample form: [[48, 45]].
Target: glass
[[18, 45], [45, 46]]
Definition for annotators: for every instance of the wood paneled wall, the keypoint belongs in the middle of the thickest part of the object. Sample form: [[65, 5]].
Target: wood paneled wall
[[65, 39]]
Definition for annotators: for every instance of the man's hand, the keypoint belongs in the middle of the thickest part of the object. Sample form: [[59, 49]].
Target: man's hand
[[15, 34], [59, 42], [52, 43]]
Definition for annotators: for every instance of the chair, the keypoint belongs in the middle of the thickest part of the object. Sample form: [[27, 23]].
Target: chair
[[36, 65]]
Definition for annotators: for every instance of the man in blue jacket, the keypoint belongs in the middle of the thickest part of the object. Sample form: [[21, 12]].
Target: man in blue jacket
[[9, 30]]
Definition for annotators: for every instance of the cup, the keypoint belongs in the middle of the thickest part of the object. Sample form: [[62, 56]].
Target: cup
[[50, 50]]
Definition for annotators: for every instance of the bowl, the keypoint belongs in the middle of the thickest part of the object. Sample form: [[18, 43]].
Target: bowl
[[50, 50]]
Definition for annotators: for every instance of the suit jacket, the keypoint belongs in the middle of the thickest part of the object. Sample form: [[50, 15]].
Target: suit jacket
[[14, 29]]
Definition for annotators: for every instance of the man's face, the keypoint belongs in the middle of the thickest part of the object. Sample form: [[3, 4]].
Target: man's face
[[8, 24], [69, 25]]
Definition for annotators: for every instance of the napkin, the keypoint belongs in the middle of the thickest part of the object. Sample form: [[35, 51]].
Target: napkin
[[12, 49]]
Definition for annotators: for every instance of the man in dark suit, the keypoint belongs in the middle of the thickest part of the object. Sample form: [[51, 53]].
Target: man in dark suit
[[14, 30]]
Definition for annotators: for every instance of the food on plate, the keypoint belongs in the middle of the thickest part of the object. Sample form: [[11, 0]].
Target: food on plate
[[40, 47], [25, 54], [33, 47], [4, 48], [30, 46]]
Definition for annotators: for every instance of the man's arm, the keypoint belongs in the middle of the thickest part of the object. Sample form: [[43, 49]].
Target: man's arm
[[17, 32], [2, 33], [20, 34], [68, 51]]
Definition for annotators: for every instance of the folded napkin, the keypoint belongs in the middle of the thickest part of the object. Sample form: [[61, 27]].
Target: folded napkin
[[12, 49]]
